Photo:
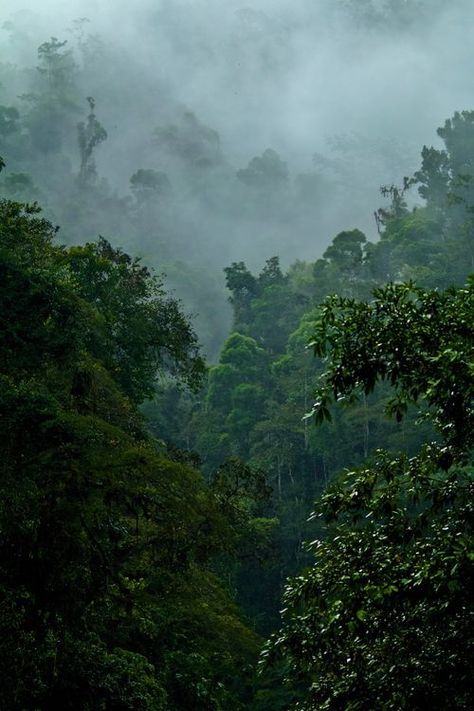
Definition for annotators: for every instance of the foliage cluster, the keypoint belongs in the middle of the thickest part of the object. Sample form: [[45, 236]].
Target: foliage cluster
[[109, 592], [384, 617], [410, 347]]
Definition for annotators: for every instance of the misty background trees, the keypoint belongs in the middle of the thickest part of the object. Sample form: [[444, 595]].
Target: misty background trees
[[244, 174]]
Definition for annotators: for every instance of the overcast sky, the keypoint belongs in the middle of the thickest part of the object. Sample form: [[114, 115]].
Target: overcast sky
[[285, 73], [290, 75]]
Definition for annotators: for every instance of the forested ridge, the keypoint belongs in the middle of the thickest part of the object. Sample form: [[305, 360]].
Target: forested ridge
[[280, 520]]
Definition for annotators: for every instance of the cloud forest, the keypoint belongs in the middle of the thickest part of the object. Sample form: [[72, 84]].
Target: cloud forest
[[236, 355]]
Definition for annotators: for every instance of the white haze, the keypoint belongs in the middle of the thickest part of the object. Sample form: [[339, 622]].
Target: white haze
[[290, 75], [280, 73]]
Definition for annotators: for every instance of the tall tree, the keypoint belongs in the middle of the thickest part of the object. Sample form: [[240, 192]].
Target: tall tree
[[108, 595], [384, 618]]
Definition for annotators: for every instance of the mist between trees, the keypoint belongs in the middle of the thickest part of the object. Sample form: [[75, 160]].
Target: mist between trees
[[264, 188], [268, 137]]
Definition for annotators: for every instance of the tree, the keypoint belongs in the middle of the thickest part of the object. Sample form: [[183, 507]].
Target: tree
[[108, 595], [243, 287], [194, 143], [384, 617], [446, 176], [265, 172], [143, 333], [90, 134], [53, 99], [147, 184], [346, 252]]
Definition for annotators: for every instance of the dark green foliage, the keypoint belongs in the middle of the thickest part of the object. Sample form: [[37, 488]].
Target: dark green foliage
[[235, 390], [108, 597], [144, 333], [258, 414], [342, 266], [265, 307], [346, 251], [384, 617], [419, 341]]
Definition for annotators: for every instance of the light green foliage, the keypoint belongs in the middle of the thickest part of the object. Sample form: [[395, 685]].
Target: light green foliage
[[235, 389]]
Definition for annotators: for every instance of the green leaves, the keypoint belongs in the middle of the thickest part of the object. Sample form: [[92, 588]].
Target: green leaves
[[419, 341], [388, 596], [142, 332], [320, 410], [106, 546]]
